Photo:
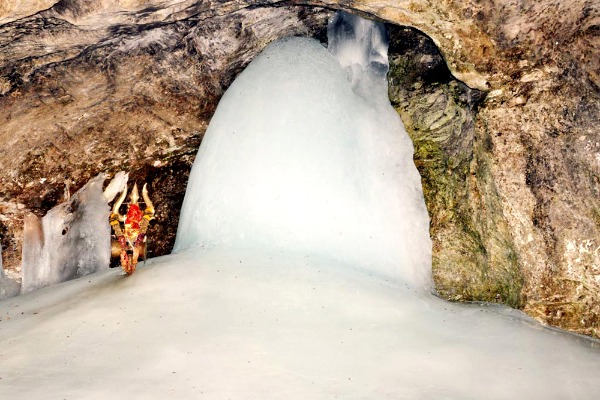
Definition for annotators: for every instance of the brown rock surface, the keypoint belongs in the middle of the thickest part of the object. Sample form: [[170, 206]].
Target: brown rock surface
[[512, 182]]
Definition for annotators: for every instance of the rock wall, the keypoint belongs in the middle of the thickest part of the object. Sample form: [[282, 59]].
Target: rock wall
[[473, 256], [501, 98], [512, 183]]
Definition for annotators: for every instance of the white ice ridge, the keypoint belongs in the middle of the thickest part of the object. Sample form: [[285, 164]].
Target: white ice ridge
[[295, 159]]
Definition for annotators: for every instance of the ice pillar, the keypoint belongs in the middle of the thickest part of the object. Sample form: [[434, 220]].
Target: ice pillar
[[305, 154]]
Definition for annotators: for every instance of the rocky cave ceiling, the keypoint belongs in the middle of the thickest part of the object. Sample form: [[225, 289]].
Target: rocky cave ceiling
[[501, 99]]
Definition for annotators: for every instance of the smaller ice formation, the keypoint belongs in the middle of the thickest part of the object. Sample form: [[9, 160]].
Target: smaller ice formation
[[116, 186], [72, 239], [361, 46], [8, 287], [306, 155]]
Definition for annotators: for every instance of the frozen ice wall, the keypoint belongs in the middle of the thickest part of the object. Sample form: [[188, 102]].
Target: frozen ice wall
[[361, 48], [8, 287], [305, 154], [71, 240]]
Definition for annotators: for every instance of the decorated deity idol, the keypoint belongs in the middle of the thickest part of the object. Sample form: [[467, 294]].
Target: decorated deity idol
[[131, 239]]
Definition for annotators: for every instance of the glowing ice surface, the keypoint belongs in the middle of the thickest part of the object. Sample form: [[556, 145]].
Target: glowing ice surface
[[306, 156]]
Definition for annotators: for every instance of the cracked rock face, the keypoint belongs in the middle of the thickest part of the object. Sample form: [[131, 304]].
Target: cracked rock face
[[500, 97]]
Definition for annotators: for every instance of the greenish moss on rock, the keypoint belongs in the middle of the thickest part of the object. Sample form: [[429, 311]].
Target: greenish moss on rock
[[473, 256]]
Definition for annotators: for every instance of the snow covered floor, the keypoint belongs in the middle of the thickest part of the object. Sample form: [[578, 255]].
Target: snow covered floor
[[236, 325]]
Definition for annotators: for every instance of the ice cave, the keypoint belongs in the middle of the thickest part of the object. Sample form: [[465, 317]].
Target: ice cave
[[301, 268]]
